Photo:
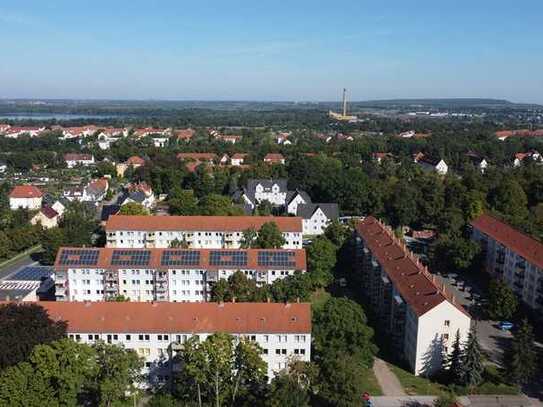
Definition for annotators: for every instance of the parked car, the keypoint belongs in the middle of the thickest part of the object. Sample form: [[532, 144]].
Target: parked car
[[505, 326]]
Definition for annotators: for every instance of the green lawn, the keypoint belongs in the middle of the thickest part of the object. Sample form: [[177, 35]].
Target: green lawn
[[319, 298], [416, 385], [370, 384]]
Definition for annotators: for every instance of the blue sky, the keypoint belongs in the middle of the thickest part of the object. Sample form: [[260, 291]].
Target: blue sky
[[271, 50]]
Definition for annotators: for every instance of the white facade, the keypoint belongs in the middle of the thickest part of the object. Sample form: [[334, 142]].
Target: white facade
[[156, 349], [274, 195], [292, 206], [420, 329], [84, 162], [156, 332], [503, 262], [316, 224], [195, 239], [25, 203]]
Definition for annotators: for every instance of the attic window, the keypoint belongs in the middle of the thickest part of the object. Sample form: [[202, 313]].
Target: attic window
[[293, 319]]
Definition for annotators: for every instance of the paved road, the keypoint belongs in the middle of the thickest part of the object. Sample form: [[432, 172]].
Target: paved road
[[470, 401], [13, 267], [390, 385]]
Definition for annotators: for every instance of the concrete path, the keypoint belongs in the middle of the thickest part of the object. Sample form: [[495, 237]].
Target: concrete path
[[469, 401], [390, 385]]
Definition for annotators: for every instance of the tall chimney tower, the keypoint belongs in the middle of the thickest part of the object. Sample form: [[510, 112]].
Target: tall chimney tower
[[344, 102]]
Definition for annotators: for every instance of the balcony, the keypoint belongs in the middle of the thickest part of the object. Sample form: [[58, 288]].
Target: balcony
[[111, 289], [518, 285], [161, 288]]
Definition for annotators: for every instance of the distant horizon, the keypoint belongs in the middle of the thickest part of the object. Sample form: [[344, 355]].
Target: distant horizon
[[398, 99]]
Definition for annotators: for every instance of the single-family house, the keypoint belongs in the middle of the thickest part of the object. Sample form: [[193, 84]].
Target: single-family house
[[431, 164], [237, 159], [317, 216], [25, 196], [274, 158], [47, 217], [73, 159]]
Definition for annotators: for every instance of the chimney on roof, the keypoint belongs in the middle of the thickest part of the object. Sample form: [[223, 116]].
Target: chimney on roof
[[268, 299], [297, 300], [233, 299]]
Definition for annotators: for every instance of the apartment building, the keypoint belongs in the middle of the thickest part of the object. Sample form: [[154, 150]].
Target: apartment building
[[419, 316], [156, 331], [208, 232], [177, 275], [511, 256]]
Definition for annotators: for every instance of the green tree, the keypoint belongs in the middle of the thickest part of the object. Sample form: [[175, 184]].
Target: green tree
[[22, 327], [218, 205], [218, 371], [118, 374], [248, 239], [55, 375], [321, 259], [445, 400], [270, 237], [264, 208], [340, 326], [182, 202], [502, 301], [337, 233], [52, 240], [237, 287], [340, 381], [453, 254], [293, 386], [133, 208], [510, 199], [521, 358], [454, 361], [472, 361]]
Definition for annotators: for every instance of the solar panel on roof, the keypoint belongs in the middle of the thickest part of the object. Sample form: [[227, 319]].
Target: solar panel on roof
[[180, 257], [32, 273], [128, 257], [81, 257], [228, 258], [276, 259]]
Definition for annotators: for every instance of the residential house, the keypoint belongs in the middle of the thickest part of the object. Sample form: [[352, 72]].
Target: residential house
[[317, 216], [4, 128], [74, 159], [529, 155], [237, 159], [173, 274], [283, 138], [158, 330], [140, 193], [185, 135], [47, 217], [512, 257], [78, 132], [418, 315], [132, 162], [431, 164], [274, 158], [295, 198], [380, 156], [25, 196], [211, 232], [477, 160], [260, 190], [505, 134], [16, 132]]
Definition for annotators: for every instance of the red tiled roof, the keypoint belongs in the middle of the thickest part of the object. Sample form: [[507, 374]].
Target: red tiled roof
[[413, 281], [184, 134], [155, 259], [197, 156], [522, 244], [49, 212], [177, 317], [203, 223], [274, 157], [238, 156], [519, 133], [25, 191], [135, 160], [77, 157]]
